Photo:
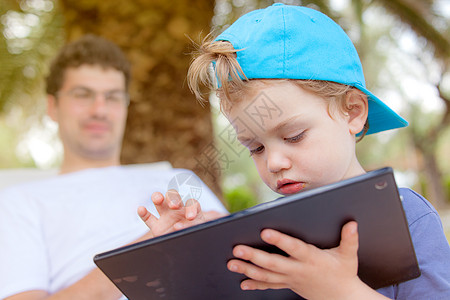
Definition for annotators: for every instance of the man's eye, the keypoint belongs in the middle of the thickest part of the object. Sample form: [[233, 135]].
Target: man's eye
[[256, 150], [81, 94], [113, 97], [116, 97], [296, 138]]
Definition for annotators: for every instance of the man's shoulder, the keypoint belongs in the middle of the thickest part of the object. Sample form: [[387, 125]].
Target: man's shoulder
[[25, 179], [135, 180], [158, 174], [48, 185], [133, 175], [23, 187]]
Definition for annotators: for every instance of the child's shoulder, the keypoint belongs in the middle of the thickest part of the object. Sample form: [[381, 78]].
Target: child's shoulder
[[416, 206]]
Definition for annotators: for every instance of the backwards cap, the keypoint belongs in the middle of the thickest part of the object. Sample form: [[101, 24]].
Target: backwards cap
[[294, 42]]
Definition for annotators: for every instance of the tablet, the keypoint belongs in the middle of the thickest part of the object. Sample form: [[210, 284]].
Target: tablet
[[191, 263]]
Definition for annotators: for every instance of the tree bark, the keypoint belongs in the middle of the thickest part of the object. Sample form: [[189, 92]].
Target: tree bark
[[164, 122], [426, 145], [435, 184]]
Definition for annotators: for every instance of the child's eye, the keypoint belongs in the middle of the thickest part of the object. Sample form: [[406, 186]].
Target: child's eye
[[256, 150], [296, 138]]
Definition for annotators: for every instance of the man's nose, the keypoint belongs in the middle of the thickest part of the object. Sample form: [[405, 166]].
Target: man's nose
[[99, 104]]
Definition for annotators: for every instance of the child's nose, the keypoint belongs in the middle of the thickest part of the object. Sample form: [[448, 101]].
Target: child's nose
[[277, 161]]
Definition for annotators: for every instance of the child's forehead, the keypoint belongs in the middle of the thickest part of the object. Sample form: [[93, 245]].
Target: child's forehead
[[263, 92], [254, 88], [276, 104]]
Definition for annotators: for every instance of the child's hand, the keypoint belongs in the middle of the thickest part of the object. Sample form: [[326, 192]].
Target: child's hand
[[308, 271], [174, 215]]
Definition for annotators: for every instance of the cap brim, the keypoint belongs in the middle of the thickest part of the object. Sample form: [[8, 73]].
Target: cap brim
[[381, 117]]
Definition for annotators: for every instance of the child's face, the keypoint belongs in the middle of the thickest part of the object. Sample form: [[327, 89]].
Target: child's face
[[292, 138]]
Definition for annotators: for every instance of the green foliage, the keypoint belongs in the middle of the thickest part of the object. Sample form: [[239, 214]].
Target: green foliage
[[239, 198], [30, 34], [8, 155], [447, 188]]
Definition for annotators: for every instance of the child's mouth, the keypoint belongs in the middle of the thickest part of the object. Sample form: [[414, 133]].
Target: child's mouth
[[286, 186]]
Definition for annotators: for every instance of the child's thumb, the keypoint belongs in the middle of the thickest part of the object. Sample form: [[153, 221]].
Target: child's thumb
[[349, 239]]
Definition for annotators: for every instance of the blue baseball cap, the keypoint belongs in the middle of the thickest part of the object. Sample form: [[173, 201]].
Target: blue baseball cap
[[295, 42]]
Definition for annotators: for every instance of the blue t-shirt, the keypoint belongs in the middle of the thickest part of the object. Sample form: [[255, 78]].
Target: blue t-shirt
[[432, 252]]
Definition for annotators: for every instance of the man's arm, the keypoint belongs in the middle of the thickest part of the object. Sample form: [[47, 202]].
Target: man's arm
[[95, 285]]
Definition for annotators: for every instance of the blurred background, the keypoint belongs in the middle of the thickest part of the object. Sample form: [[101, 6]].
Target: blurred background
[[404, 46]]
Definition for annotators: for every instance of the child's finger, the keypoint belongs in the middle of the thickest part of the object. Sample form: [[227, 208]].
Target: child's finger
[[349, 239], [250, 284], [193, 215], [157, 198], [193, 210], [160, 205], [276, 265], [143, 213], [174, 199], [254, 272], [146, 216], [292, 246]]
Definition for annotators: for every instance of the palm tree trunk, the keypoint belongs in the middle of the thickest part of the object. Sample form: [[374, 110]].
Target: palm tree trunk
[[165, 122]]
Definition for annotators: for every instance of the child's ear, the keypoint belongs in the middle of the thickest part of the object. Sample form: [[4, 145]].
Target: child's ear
[[357, 109], [51, 107]]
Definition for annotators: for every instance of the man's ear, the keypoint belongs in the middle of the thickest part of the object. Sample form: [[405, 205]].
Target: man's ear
[[357, 109], [52, 110]]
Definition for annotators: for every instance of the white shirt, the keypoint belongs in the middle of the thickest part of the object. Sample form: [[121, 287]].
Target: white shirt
[[50, 230]]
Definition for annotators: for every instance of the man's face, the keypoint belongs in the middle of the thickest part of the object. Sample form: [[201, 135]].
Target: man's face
[[91, 110]]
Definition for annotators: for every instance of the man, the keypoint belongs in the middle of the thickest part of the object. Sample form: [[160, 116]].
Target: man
[[51, 229]]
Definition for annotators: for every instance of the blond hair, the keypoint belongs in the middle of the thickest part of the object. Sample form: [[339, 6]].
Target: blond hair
[[231, 84]]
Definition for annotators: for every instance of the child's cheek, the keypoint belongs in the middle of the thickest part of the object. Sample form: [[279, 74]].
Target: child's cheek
[[264, 174]]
